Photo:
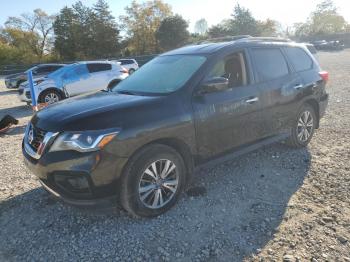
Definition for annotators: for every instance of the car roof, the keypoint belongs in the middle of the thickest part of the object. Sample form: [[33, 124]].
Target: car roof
[[96, 62], [41, 65], [210, 46]]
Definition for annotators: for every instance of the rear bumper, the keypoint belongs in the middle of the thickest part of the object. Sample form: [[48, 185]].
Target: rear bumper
[[323, 105]]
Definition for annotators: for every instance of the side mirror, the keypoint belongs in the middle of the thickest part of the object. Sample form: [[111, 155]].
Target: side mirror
[[215, 84]]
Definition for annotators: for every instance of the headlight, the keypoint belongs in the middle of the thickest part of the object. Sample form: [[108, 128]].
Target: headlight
[[86, 141], [37, 82]]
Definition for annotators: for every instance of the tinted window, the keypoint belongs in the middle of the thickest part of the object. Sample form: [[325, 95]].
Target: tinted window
[[98, 67], [126, 62], [269, 63], [42, 69], [233, 68], [299, 58], [162, 75]]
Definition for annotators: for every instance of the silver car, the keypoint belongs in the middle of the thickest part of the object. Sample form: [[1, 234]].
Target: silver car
[[74, 79]]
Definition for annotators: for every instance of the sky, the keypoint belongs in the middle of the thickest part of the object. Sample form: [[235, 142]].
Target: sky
[[286, 12]]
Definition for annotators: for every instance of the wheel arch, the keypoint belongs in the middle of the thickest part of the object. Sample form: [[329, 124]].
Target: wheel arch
[[178, 145], [63, 95]]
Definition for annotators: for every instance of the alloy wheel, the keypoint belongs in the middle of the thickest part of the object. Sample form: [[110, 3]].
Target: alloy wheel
[[305, 126], [158, 184], [51, 98]]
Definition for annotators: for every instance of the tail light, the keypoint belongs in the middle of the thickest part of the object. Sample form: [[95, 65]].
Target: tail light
[[124, 70], [324, 75]]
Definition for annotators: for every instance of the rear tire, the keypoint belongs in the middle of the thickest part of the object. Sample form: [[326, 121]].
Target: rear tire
[[131, 71], [153, 181], [50, 96], [303, 127]]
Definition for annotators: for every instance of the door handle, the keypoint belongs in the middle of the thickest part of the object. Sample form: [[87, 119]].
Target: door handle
[[252, 100], [297, 87]]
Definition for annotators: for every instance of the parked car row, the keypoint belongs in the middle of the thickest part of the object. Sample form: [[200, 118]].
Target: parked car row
[[328, 45], [74, 79], [14, 80], [54, 82]]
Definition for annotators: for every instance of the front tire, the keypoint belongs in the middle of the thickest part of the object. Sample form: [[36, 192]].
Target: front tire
[[49, 97], [303, 127], [153, 181]]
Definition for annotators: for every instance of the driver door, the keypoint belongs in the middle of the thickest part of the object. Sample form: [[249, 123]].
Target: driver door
[[228, 118]]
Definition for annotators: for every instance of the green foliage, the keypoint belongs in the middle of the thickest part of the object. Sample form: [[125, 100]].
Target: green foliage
[[324, 20], [172, 32], [242, 22], [86, 33], [141, 23]]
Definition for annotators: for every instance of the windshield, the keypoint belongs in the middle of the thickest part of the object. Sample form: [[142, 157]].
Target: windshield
[[31, 69], [162, 75], [60, 71]]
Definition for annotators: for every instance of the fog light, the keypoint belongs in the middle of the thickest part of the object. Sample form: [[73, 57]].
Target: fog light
[[78, 183]]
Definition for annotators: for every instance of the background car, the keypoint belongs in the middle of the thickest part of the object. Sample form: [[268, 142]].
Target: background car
[[75, 79], [14, 80], [328, 45], [130, 64]]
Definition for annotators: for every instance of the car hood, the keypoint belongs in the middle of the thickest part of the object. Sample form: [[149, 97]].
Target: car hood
[[17, 75], [102, 110]]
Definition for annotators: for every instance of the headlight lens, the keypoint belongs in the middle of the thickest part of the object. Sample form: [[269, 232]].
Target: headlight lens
[[37, 82], [86, 141]]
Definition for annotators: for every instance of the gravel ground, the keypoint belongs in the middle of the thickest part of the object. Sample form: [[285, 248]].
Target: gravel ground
[[275, 204]]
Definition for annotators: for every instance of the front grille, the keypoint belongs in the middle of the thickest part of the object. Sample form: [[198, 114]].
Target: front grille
[[35, 137], [20, 91]]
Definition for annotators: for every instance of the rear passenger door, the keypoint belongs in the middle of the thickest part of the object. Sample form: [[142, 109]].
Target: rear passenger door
[[99, 75], [279, 86]]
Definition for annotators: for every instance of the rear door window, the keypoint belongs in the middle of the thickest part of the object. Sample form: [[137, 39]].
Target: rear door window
[[98, 67], [301, 61], [269, 63]]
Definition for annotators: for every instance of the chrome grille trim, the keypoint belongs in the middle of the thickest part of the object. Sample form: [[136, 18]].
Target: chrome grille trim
[[48, 137]]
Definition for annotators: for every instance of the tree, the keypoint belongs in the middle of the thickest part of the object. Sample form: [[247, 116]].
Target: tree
[[172, 32], [105, 31], [324, 20], [141, 23], [39, 23], [220, 30], [243, 22], [86, 33], [201, 26], [268, 27]]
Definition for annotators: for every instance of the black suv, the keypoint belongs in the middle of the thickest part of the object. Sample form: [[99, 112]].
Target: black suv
[[202, 103]]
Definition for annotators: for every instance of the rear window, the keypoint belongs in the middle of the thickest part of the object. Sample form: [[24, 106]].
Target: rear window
[[300, 59], [126, 62], [98, 67], [269, 63]]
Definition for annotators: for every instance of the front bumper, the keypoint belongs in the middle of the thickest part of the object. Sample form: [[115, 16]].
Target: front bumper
[[9, 83], [78, 178], [24, 95]]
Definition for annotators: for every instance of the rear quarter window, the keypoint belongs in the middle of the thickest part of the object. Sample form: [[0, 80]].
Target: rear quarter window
[[269, 63], [98, 67], [301, 61]]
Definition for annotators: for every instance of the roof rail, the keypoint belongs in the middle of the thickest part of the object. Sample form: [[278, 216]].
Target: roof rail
[[223, 39], [272, 39]]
